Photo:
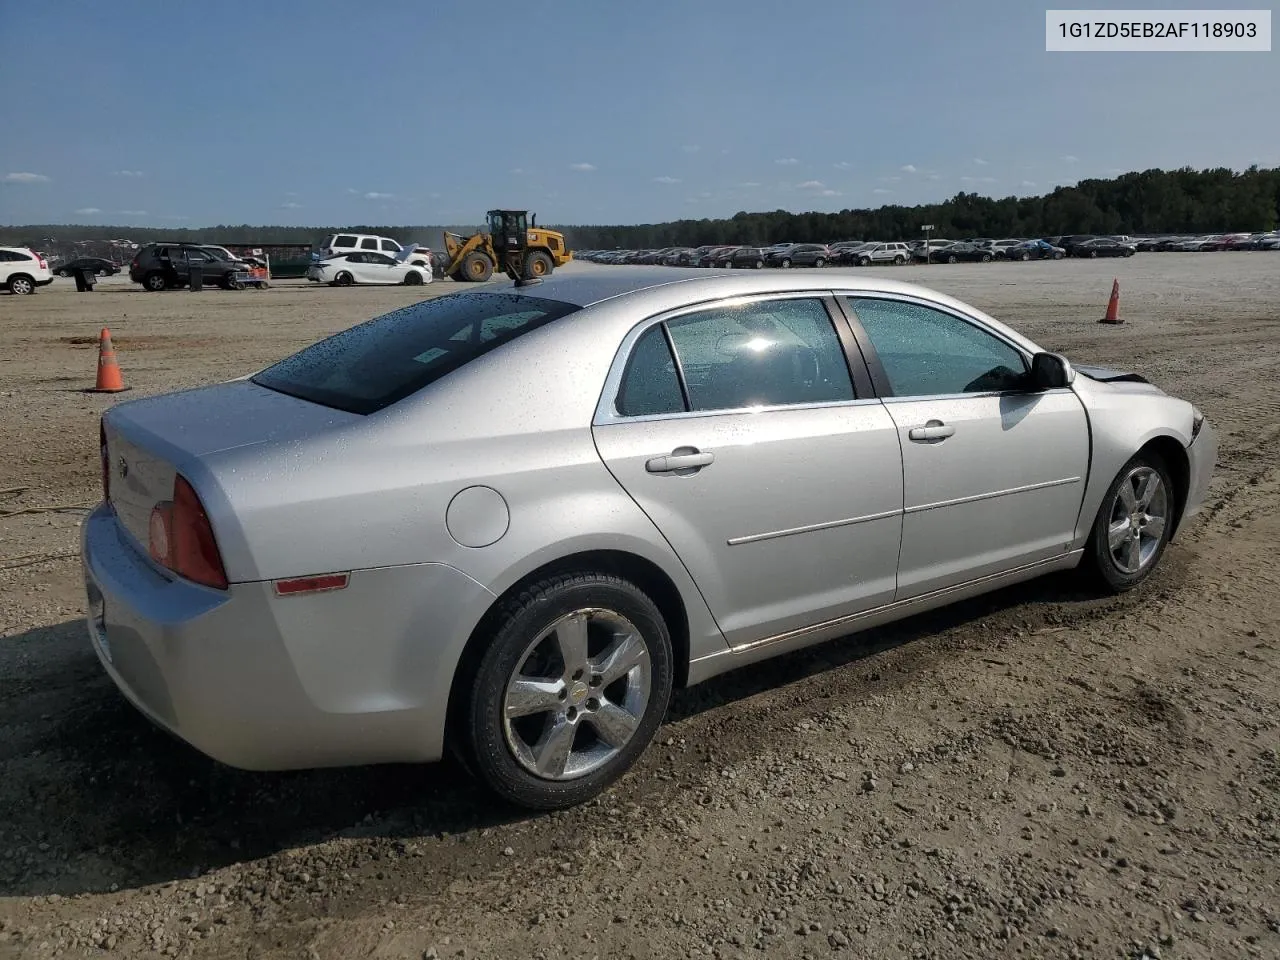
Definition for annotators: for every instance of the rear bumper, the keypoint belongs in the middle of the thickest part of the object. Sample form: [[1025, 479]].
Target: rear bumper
[[45, 282], [355, 676]]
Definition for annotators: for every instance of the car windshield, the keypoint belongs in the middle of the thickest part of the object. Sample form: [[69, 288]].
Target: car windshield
[[373, 365]]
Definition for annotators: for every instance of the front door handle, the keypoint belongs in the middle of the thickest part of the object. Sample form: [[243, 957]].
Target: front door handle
[[931, 432], [681, 460]]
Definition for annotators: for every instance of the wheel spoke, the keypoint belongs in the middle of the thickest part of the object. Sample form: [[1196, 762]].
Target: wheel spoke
[[571, 638], [1147, 489], [1133, 553], [1127, 496], [551, 752], [627, 651], [614, 725], [526, 696], [1117, 534], [1154, 527]]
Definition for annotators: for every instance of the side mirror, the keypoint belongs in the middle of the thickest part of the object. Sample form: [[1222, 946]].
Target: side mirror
[[1051, 371]]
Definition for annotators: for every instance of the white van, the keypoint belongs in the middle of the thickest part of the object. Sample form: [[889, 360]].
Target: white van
[[339, 243]]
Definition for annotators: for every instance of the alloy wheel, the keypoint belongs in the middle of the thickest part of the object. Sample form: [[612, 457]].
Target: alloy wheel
[[577, 694], [1137, 520]]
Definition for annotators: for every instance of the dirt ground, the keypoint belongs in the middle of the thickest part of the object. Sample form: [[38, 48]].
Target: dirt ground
[[1038, 773]]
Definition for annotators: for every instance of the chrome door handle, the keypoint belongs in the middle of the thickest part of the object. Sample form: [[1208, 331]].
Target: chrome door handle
[[680, 459], [931, 432]]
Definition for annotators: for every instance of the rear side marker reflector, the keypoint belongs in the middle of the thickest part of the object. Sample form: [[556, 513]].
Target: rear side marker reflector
[[330, 581]]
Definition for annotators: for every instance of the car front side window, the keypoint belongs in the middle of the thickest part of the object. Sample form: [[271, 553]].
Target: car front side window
[[928, 352]]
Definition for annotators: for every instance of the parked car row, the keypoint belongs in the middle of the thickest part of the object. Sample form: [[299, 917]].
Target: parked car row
[[940, 250]]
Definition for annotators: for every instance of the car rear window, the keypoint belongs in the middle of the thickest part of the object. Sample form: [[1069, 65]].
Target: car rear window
[[371, 366]]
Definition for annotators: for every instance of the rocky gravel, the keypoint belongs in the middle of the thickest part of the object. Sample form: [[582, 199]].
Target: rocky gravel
[[1039, 773]]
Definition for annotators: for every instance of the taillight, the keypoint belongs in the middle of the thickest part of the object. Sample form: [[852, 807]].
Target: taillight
[[181, 537]]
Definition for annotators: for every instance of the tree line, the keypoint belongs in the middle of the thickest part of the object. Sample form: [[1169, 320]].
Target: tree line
[[1149, 202]]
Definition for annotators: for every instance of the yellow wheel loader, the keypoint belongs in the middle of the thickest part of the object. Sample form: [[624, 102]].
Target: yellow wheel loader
[[514, 245]]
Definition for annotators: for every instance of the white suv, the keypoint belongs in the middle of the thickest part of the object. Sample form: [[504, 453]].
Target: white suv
[[339, 243], [884, 253], [22, 270]]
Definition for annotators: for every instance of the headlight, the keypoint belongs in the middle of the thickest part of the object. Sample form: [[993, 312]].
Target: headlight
[[1197, 421]]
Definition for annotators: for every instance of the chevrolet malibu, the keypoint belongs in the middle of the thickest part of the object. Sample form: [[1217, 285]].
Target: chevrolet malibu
[[509, 522]]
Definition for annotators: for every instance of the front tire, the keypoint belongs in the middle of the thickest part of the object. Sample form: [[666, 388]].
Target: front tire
[[476, 267], [154, 282], [568, 692], [344, 279], [819, 262], [1133, 524]]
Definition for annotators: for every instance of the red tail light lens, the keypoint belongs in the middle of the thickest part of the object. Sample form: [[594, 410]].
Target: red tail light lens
[[181, 538]]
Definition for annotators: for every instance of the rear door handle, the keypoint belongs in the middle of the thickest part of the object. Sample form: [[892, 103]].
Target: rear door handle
[[931, 432], [680, 459]]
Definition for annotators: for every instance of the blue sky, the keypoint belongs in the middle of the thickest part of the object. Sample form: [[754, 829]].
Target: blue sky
[[587, 111]]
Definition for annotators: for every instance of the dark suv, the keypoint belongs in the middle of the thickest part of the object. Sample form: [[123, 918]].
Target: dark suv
[[159, 266]]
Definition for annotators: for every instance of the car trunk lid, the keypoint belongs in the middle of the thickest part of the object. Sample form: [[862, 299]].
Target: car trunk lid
[[150, 441]]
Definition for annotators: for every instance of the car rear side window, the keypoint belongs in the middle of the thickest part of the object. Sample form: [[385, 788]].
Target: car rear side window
[[650, 384], [371, 366], [765, 353], [344, 241]]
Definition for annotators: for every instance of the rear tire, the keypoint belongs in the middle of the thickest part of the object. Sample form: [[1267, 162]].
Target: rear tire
[[1129, 507], [563, 639], [537, 264], [986, 258], [21, 285], [476, 267], [951, 258], [785, 263], [1025, 256]]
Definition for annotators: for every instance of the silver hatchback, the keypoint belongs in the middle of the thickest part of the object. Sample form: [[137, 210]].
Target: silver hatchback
[[510, 522]]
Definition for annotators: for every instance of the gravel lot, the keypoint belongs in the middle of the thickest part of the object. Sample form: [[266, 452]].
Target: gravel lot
[[1038, 773]]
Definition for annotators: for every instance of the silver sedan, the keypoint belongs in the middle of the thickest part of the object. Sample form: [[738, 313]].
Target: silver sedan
[[510, 522]]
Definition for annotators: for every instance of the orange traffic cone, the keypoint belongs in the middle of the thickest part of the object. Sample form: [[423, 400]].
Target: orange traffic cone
[[109, 378], [1113, 305]]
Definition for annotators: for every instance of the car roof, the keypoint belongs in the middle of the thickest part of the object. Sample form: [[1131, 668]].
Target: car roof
[[601, 282]]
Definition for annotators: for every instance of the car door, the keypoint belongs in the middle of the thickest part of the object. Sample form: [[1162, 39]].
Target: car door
[[738, 430], [993, 471]]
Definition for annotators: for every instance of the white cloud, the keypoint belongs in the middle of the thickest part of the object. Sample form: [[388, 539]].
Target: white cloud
[[881, 192], [750, 184], [666, 179], [810, 185], [691, 148], [977, 179], [582, 167], [909, 168], [831, 193], [290, 205], [1070, 159], [375, 195], [127, 173], [934, 176], [1028, 183], [88, 211], [843, 165], [25, 178], [979, 161], [787, 162], [132, 213], [435, 196], [890, 179], [171, 217], [704, 196], [517, 170], [290, 193]]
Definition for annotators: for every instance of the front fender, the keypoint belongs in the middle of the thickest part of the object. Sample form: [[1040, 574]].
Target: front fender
[[1124, 416]]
